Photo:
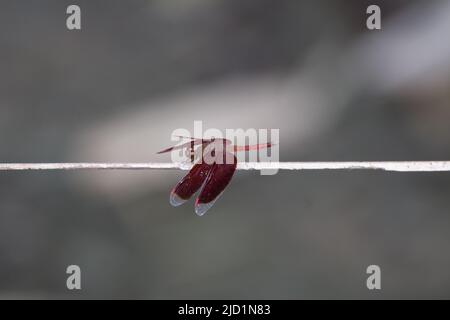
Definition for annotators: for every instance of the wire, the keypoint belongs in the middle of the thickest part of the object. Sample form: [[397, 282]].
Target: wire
[[402, 166]]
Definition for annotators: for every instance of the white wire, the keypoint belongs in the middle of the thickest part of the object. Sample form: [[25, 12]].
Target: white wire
[[403, 166]]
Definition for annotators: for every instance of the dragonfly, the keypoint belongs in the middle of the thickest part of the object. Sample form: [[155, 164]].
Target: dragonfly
[[215, 163]]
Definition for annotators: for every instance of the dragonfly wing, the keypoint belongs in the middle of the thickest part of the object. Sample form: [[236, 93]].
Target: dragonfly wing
[[192, 143], [191, 138], [177, 147], [218, 178], [189, 184]]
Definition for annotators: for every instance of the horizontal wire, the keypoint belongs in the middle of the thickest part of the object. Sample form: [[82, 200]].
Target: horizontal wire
[[402, 166]]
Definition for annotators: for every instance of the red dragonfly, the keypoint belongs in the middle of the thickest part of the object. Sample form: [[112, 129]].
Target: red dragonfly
[[215, 164]]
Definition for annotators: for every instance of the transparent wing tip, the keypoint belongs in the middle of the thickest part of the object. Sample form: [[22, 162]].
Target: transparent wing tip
[[201, 208], [176, 200]]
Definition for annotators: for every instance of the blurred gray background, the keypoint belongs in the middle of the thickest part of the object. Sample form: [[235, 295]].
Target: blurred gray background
[[137, 70]]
